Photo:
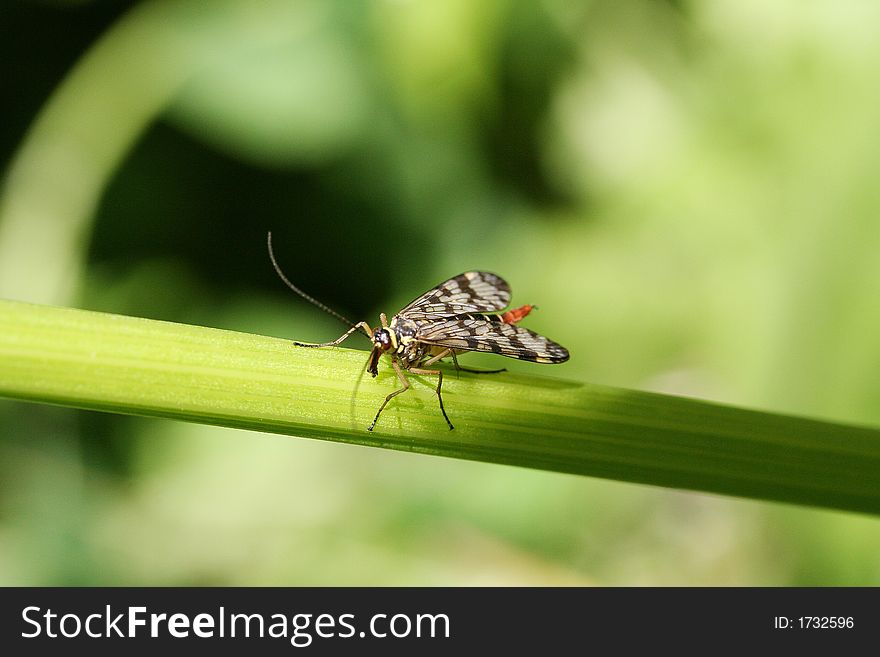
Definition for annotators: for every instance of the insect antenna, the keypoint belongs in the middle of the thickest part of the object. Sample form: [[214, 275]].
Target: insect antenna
[[327, 309]]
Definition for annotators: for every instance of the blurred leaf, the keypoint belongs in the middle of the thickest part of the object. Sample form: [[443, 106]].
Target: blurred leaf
[[286, 86]]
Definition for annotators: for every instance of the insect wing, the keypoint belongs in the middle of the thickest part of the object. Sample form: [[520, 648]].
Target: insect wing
[[470, 292], [488, 333]]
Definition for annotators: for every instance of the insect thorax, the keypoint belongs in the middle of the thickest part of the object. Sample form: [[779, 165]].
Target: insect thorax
[[409, 350]]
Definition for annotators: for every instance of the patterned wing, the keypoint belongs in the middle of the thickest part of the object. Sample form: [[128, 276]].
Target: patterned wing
[[475, 332], [470, 292]]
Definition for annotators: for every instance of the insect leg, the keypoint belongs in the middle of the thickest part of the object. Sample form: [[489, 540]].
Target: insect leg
[[360, 325], [451, 352], [403, 381], [468, 369], [442, 354], [418, 370]]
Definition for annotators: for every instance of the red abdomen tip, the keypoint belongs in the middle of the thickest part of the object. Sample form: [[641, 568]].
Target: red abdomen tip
[[515, 315]]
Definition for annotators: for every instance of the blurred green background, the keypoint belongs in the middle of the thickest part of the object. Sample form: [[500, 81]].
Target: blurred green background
[[688, 190]]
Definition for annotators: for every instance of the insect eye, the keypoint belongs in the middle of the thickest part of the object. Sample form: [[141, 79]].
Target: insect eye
[[381, 338]]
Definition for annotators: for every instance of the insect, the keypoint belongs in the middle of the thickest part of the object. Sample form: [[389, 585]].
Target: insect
[[463, 313]]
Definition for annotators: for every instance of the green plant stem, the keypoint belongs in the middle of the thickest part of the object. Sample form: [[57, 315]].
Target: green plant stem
[[144, 367]]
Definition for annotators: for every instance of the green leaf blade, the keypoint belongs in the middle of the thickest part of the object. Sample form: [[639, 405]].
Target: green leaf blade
[[144, 367]]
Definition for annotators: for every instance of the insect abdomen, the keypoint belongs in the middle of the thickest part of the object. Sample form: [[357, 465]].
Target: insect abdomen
[[517, 314]]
